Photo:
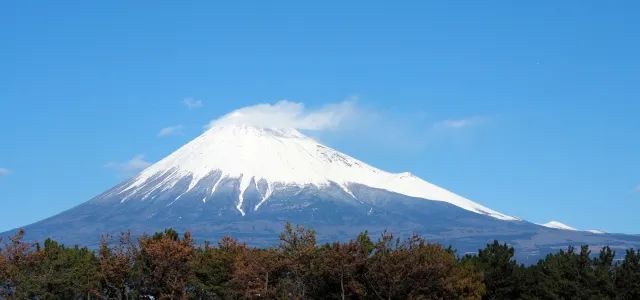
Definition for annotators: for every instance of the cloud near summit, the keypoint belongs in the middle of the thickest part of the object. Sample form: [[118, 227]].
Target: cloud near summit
[[287, 114], [130, 167]]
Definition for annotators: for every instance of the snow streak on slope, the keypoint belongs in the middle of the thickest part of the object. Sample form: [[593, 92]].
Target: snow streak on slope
[[284, 157], [558, 225]]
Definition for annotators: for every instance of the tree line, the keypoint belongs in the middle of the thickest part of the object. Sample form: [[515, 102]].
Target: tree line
[[169, 266]]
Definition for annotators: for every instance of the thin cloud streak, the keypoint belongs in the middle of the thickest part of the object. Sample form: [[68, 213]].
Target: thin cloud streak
[[130, 167], [171, 131], [192, 103], [4, 172]]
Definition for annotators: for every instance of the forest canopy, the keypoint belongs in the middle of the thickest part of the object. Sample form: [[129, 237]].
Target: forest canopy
[[168, 265]]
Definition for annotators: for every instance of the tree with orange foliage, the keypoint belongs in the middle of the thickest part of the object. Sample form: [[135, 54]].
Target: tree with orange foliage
[[163, 265], [343, 267], [415, 269], [116, 266], [21, 265], [256, 273]]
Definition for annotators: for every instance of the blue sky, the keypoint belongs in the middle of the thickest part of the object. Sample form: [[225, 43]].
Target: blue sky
[[528, 108]]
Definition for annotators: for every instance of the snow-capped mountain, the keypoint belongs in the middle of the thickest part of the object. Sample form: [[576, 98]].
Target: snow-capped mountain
[[247, 181], [273, 159]]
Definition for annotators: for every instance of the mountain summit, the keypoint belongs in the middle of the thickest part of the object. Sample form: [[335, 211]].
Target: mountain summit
[[271, 160], [247, 181]]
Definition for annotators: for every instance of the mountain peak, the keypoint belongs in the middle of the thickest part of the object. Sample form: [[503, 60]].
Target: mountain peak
[[280, 158], [240, 129]]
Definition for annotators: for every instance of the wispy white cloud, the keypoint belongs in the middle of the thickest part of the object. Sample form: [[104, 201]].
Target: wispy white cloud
[[130, 167], [170, 131], [359, 125], [287, 114], [637, 188], [460, 123], [4, 172], [192, 103]]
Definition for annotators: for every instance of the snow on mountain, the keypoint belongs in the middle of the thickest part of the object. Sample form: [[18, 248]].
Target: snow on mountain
[[248, 181], [558, 225], [282, 158]]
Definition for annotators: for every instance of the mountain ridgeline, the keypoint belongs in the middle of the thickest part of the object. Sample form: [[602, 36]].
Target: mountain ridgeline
[[246, 182]]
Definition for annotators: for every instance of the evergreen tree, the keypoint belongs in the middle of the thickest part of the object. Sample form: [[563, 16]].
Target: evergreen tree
[[300, 262], [213, 268], [627, 276], [498, 266], [603, 274], [568, 275], [67, 273], [167, 266]]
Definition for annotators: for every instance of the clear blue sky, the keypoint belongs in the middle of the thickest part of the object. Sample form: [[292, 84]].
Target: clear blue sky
[[550, 91]]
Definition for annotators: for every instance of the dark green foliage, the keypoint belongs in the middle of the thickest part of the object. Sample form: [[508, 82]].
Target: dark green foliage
[[627, 276], [300, 260], [67, 273], [569, 275], [167, 265], [49, 272], [212, 269], [499, 268], [603, 274]]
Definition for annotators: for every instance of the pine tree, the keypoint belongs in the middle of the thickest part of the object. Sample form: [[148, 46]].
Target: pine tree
[[627, 276], [213, 269], [300, 262], [603, 269], [498, 266]]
